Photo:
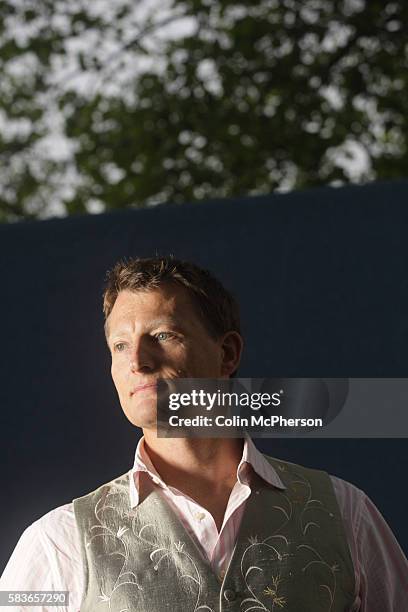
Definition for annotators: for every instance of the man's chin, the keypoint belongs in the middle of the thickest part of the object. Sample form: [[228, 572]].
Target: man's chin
[[136, 421], [142, 416], [142, 412]]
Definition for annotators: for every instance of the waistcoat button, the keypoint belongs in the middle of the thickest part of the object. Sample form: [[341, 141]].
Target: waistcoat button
[[229, 594]]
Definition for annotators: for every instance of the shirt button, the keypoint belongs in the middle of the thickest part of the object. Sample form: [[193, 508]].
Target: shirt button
[[199, 516], [229, 594]]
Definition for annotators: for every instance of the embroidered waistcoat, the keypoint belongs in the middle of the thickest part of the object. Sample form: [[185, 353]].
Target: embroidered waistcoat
[[291, 552]]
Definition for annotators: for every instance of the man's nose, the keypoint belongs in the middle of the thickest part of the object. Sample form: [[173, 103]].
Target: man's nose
[[142, 359]]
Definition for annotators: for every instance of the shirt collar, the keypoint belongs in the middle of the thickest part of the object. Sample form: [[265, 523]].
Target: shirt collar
[[259, 463], [250, 456]]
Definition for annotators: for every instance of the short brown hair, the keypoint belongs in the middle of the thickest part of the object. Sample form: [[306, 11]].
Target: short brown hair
[[215, 305]]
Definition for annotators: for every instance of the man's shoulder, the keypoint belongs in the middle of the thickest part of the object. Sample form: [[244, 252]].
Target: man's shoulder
[[282, 466], [347, 491], [119, 484], [52, 534], [58, 526], [61, 520], [349, 497], [57, 519]]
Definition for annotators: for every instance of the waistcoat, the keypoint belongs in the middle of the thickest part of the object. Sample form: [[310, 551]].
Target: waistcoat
[[291, 552]]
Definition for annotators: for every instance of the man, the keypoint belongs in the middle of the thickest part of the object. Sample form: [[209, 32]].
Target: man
[[203, 523]]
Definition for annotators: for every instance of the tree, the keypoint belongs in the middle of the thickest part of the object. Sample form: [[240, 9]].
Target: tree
[[119, 104]]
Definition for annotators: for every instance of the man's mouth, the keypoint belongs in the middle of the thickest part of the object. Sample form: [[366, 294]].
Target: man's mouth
[[142, 387]]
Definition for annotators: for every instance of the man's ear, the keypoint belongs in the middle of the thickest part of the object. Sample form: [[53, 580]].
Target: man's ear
[[232, 345]]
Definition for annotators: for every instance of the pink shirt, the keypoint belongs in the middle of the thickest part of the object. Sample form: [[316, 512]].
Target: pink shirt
[[48, 554]]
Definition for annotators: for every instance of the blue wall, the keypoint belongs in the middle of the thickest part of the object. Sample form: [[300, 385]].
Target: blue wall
[[322, 280]]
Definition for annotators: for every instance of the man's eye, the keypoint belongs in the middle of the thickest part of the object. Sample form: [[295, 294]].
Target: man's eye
[[119, 347], [163, 336]]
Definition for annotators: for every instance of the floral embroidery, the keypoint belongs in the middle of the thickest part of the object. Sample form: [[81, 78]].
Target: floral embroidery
[[279, 548], [272, 592], [157, 555], [298, 508]]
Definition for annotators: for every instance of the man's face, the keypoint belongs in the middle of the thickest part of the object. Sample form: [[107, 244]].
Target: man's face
[[158, 334]]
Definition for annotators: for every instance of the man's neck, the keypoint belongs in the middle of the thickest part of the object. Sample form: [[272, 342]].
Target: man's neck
[[205, 464]]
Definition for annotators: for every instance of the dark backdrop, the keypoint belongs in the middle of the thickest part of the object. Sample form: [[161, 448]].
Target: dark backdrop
[[322, 280]]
